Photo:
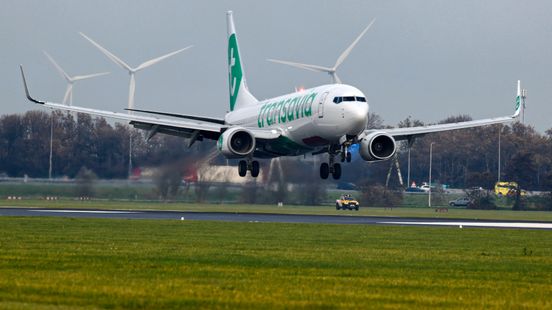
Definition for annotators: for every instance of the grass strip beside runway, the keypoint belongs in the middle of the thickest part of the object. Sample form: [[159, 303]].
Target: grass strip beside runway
[[97, 263]]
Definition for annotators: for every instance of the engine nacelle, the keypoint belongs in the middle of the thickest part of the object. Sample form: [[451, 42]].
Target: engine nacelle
[[236, 142], [377, 146]]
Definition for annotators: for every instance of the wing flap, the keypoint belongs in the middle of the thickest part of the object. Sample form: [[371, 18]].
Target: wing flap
[[180, 124], [185, 116]]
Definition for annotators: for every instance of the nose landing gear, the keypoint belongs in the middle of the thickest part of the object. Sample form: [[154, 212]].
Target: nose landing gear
[[332, 167], [345, 154]]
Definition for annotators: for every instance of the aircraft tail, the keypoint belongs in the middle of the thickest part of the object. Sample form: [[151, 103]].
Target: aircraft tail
[[239, 94]]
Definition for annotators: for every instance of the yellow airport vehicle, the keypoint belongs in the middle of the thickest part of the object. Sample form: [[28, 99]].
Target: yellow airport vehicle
[[346, 202], [507, 189]]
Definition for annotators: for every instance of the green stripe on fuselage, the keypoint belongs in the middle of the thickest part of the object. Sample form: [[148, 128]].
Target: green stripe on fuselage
[[284, 146]]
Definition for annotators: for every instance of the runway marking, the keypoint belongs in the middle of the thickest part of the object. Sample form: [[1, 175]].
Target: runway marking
[[85, 211], [477, 224]]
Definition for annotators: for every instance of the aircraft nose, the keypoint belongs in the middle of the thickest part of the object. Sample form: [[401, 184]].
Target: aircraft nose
[[357, 116]]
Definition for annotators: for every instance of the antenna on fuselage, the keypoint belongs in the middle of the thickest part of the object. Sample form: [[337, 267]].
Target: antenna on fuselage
[[331, 71]]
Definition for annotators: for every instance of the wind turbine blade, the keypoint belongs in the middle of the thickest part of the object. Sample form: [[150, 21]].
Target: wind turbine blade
[[58, 67], [89, 76], [314, 68], [67, 93], [107, 53], [346, 53], [336, 78], [131, 89], [158, 59]]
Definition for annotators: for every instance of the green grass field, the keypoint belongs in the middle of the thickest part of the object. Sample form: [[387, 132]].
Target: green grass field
[[460, 213], [62, 263]]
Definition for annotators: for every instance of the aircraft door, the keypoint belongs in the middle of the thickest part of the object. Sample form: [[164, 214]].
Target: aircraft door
[[321, 105]]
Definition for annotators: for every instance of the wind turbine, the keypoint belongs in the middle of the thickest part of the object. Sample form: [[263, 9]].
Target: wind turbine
[[330, 70], [131, 71], [70, 79]]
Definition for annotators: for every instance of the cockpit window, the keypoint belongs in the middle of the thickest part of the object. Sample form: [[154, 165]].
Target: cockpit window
[[348, 98]]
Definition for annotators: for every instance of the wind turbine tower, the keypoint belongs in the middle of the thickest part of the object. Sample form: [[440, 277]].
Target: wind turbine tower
[[132, 86]]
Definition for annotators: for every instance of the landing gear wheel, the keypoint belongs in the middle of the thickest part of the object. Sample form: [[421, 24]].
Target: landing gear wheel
[[349, 157], [324, 170], [336, 174], [255, 169], [242, 168]]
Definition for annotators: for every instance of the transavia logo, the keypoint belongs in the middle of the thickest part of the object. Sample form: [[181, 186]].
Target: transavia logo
[[234, 70], [518, 102], [285, 110]]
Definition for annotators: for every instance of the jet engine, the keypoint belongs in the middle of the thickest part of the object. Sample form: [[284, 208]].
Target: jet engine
[[236, 142], [377, 146]]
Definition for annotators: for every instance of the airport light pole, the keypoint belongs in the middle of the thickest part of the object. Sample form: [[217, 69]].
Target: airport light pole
[[408, 173], [51, 145], [409, 143], [430, 161], [523, 97], [499, 134]]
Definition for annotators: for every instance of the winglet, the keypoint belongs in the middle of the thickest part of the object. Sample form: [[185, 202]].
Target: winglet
[[27, 89], [518, 100]]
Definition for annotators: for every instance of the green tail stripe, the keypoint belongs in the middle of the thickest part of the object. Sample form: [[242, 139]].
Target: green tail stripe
[[234, 70]]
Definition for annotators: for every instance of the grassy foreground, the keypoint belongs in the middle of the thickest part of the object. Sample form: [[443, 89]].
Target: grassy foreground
[[51, 263], [459, 213]]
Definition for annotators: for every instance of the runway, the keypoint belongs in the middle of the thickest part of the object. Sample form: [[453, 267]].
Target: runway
[[271, 218]]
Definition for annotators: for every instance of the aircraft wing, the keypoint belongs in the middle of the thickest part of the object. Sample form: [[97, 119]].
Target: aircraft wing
[[410, 132], [178, 127], [186, 126]]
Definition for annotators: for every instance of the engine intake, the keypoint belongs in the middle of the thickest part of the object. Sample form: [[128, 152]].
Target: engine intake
[[377, 146], [236, 142]]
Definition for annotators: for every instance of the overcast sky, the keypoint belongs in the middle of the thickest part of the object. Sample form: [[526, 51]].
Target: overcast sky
[[426, 59]]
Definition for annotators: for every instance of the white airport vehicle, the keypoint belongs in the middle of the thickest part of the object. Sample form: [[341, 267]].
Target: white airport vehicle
[[327, 119]]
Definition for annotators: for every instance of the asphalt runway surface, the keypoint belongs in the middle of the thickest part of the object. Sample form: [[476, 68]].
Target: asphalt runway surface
[[271, 218]]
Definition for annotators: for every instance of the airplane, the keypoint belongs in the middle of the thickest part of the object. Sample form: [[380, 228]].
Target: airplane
[[326, 119]]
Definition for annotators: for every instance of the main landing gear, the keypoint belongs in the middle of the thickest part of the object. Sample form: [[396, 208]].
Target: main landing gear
[[326, 169], [332, 167], [251, 165]]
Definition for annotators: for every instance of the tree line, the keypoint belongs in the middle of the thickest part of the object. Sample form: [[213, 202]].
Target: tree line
[[461, 158]]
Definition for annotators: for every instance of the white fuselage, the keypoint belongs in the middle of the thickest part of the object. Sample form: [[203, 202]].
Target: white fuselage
[[310, 118]]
